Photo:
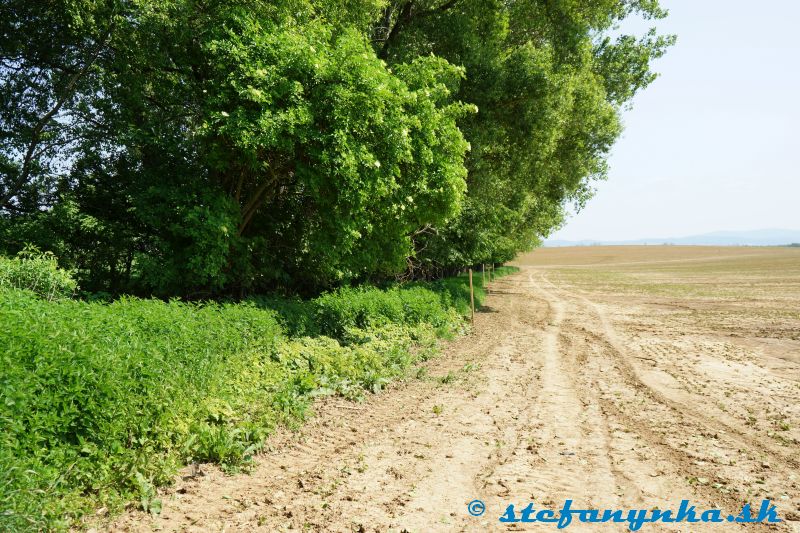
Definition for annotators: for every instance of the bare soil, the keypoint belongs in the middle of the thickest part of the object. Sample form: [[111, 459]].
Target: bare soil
[[618, 378]]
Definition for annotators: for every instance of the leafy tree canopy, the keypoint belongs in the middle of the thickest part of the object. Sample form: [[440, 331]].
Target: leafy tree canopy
[[199, 147]]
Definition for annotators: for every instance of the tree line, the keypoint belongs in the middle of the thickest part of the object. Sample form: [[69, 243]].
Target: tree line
[[209, 147]]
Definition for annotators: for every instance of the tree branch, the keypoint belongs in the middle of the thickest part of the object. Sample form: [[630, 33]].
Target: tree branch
[[20, 181], [407, 15], [402, 19], [255, 202]]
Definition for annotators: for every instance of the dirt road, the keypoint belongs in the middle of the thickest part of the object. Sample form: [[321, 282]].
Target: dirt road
[[613, 400]]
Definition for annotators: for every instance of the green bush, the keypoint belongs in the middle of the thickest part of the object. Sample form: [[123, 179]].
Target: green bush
[[296, 316], [433, 303], [348, 308], [102, 402], [38, 272], [97, 396]]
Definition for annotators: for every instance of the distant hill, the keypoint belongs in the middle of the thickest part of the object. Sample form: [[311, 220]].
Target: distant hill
[[759, 237]]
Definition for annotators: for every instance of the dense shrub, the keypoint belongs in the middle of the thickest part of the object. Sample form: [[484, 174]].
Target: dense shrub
[[38, 272], [102, 402], [455, 290], [97, 397], [347, 308], [334, 313], [296, 316]]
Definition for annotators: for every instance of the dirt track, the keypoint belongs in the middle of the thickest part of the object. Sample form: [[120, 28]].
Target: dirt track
[[612, 397]]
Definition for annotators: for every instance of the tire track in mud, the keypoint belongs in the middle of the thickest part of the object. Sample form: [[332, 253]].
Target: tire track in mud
[[610, 337], [677, 405], [683, 420], [642, 473], [572, 434]]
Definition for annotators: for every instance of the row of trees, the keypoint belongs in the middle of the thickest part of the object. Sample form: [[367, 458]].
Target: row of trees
[[199, 147]]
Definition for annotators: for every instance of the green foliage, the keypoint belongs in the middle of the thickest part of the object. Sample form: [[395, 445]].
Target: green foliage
[[549, 84], [37, 272], [101, 403], [95, 395], [365, 308], [247, 145], [160, 147]]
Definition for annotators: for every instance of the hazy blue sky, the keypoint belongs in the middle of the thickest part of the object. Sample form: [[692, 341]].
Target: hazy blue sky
[[714, 143]]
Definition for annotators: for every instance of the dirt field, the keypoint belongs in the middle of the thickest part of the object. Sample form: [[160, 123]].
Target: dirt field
[[618, 377]]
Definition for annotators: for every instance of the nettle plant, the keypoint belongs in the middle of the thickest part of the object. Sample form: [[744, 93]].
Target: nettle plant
[[37, 271]]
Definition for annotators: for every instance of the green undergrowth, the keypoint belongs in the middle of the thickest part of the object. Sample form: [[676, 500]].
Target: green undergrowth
[[100, 403], [38, 272]]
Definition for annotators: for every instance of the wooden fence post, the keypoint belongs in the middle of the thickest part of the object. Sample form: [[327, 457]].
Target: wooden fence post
[[471, 297]]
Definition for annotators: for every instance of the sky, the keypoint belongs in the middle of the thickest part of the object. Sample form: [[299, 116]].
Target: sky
[[714, 143]]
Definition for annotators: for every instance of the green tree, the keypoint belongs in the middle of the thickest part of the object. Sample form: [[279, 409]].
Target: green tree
[[196, 147], [240, 144], [549, 82]]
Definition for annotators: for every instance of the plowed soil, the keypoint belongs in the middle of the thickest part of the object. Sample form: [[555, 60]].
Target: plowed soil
[[620, 378]]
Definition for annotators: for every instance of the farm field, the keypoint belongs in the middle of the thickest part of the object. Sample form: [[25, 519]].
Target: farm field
[[618, 377]]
